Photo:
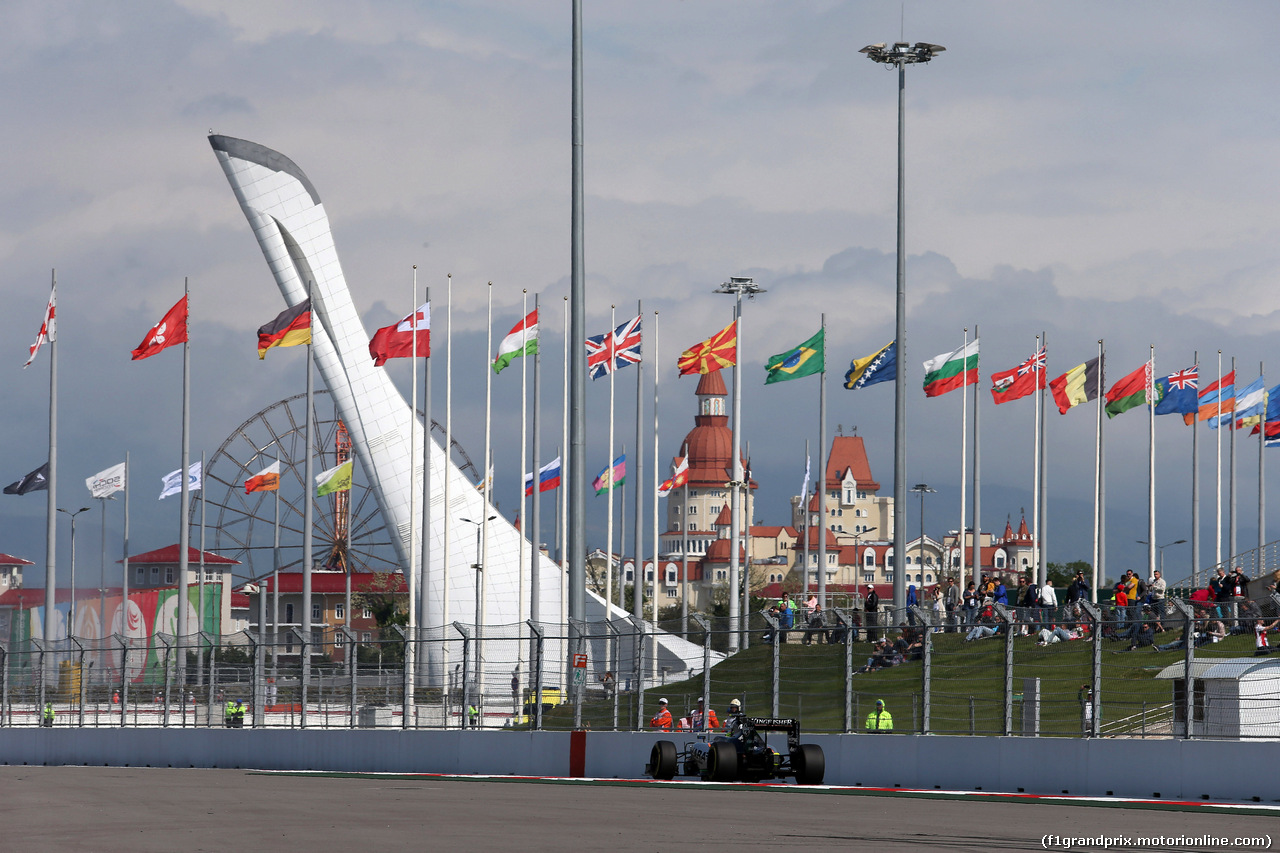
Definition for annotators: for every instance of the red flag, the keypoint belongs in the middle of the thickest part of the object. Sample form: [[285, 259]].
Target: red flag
[[1019, 381], [46, 328], [396, 341], [172, 329], [717, 351]]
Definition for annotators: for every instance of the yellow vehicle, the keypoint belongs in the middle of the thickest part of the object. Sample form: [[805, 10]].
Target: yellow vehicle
[[551, 696]]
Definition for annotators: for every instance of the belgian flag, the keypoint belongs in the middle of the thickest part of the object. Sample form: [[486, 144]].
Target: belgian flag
[[292, 328]]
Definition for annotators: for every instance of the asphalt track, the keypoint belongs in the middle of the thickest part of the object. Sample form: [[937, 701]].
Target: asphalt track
[[152, 809]]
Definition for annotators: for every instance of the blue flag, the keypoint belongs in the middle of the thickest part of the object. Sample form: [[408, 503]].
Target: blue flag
[[1176, 394], [880, 366]]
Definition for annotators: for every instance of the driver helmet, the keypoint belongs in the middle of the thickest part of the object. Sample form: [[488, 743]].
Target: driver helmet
[[735, 705]]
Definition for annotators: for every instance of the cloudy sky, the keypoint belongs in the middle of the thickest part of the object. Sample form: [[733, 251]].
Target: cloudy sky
[[1087, 169]]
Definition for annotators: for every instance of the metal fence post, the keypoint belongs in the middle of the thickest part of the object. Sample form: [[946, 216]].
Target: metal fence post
[[848, 669], [1095, 671], [639, 626], [926, 672], [169, 663], [466, 672], [539, 653], [614, 646], [350, 664], [124, 677], [1009, 619], [304, 659], [5, 711], [706, 669], [773, 691], [1188, 664], [257, 689], [406, 685], [213, 678], [40, 690]]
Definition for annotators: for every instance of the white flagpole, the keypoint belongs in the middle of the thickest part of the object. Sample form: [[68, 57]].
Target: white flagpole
[[608, 557], [637, 468], [1262, 480], [524, 461], [1099, 482], [482, 588], [1035, 489], [1042, 543], [51, 496], [656, 475], [184, 530], [124, 597], [964, 471], [1151, 466], [976, 562], [308, 515], [1195, 483], [535, 526], [564, 488], [411, 570], [424, 569], [200, 584], [822, 473], [447, 513], [1217, 525], [1231, 444]]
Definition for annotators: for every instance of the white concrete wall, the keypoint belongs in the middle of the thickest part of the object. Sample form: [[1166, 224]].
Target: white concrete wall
[[1167, 769]]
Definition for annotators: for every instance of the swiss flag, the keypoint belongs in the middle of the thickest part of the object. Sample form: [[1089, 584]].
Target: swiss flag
[[397, 341], [172, 329]]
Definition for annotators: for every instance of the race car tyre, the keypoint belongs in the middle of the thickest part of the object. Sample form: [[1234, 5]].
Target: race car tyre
[[663, 760], [722, 762], [809, 764]]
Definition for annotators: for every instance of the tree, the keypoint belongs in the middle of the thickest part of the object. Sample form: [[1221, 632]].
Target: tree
[[1062, 574]]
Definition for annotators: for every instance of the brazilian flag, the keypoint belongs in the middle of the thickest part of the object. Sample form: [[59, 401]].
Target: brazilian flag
[[804, 360]]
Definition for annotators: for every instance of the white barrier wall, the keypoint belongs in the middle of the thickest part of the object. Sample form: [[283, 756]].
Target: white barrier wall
[[1165, 769]]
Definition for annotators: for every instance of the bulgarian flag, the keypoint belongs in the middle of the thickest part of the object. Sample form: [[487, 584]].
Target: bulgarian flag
[[1133, 390], [521, 340], [951, 370], [336, 479], [266, 480]]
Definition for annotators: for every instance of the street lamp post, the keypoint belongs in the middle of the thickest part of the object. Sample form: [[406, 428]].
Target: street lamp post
[[901, 55], [736, 285], [1160, 550], [861, 560], [478, 565], [921, 489], [71, 612]]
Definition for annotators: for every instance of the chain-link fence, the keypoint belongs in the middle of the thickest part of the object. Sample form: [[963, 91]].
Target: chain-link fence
[[1077, 670]]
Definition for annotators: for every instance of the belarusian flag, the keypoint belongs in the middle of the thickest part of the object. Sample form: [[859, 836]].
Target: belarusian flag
[[336, 479], [521, 340], [1133, 390], [951, 370], [266, 480]]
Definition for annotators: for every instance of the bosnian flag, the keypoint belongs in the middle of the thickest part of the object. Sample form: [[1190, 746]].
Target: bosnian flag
[[46, 328], [397, 341], [521, 340], [548, 477], [266, 480]]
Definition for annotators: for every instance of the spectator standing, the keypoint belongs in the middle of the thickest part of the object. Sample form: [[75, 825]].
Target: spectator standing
[[1221, 591], [952, 600], [1121, 606], [970, 604], [871, 607], [1238, 585], [1048, 602], [1001, 594], [880, 720], [786, 616], [939, 610], [911, 602]]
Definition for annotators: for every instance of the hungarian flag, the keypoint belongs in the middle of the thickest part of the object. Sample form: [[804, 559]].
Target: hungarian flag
[[805, 359], [266, 480], [1130, 391], [46, 332], [678, 479], [36, 481], [1078, 385], [1216, 401], [521, 340], [396, 341], [717, 351], [172, 329], [612, 476], [336, 479], [1026, 378], [548, 478], [951, 370], [290, 329]]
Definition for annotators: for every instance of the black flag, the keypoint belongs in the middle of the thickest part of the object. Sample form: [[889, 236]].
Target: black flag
[[36, 481]]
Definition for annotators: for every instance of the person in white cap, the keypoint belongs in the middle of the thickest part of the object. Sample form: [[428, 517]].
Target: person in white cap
[[662, 719]]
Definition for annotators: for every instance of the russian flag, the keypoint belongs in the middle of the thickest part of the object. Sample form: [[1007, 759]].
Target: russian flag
[[548, 478]]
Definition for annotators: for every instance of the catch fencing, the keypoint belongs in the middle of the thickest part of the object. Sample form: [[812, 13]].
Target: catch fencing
[[1077, 671]]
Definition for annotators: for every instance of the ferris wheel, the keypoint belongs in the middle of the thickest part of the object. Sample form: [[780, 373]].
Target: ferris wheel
[[348, 529]]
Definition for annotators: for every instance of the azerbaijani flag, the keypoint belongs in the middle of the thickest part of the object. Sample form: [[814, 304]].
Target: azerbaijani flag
[[266, 480], [951, 370], [612, 476], [521, 340], [548, 477], [1130, 391], [336, 479]]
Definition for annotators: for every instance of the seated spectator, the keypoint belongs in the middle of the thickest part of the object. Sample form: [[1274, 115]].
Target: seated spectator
[[1056, 634], [1249, 613], [1213, 632], [911, 644], [839, 633], [816, 626]]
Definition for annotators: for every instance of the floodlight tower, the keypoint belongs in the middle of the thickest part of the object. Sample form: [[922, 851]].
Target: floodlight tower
[[901, 54]]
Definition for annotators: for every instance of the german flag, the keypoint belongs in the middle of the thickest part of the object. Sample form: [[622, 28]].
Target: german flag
[[292, 328], [717, 351]]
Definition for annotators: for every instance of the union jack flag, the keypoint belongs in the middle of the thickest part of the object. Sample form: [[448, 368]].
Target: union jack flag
[[612, 350], [1184, 379], [1036, 362]]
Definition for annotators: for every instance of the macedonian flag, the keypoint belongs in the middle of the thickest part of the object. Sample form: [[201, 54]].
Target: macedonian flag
[[291, 328], [720, 350]]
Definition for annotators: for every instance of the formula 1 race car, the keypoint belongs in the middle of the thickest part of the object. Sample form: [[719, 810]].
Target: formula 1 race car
[[743, 755]]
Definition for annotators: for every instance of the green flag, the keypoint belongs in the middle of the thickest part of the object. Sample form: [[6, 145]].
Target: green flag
[[804, 360], [337, 479]]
